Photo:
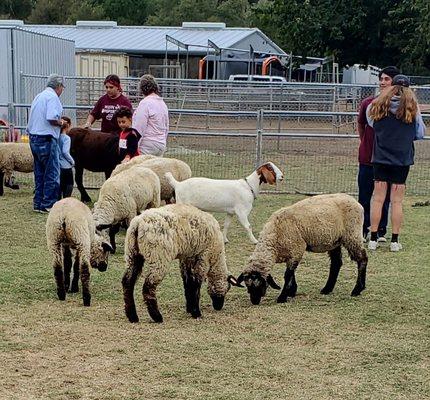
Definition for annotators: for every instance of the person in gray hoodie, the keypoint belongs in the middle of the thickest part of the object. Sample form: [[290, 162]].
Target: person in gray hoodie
[[397, 123], [66, 160]]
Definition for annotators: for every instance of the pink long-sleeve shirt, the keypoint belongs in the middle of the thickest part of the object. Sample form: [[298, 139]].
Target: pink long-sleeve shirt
[[151, 119]]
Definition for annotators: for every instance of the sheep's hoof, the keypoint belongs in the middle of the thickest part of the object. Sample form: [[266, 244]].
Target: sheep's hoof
[[158, 319], [86, 199], [153, 312], [356, 291], [282, 299], [326, 290], [133, 318], [87, 300], [74, 289], [61, 296]]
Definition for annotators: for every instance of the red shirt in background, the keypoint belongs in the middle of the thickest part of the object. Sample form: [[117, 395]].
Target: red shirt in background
[[365, 149], [105, 109]]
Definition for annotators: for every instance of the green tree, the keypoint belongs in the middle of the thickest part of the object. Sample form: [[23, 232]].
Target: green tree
[[126, 12], [15, 9], [173, 13], [60, 12]]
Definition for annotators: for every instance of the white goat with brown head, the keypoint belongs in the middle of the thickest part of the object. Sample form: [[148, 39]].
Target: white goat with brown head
[[225, 195]]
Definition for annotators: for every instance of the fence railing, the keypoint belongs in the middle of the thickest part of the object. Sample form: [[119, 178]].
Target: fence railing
[[229, 144]]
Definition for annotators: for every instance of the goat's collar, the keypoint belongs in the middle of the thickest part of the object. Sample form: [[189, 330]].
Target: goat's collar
[[252, 190]]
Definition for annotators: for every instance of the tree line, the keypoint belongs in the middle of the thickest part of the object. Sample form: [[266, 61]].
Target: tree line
[[377, 32]]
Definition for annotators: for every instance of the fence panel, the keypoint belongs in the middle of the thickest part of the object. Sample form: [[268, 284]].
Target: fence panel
[[308, 129]]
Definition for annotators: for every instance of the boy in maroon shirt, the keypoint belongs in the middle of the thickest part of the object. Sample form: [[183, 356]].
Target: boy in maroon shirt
[[365, 150], [129, 137]]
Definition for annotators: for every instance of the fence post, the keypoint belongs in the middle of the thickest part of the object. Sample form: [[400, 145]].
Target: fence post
[[259, 142], [11, 120]]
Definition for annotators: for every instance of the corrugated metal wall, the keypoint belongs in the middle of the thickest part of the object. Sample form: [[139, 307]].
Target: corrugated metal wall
[[42, 55], [32, 53], [6, 84]]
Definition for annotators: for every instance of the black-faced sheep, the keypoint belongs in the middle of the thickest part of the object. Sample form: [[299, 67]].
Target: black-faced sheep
[[176, 231], [14, 157], [123, 196], [70, 225], [160, 165], [318, 224]]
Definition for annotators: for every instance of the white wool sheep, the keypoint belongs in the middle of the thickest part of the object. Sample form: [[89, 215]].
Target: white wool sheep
[[226, 195], [70, 225], [160, 165], [14, 157], [176, 231], [125, 195], [318, 224]]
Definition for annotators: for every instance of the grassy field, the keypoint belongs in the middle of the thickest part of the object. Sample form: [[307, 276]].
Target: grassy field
[[376, 346]]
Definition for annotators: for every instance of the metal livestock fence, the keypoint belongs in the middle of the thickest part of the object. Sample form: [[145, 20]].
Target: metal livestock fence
[[230, 144]]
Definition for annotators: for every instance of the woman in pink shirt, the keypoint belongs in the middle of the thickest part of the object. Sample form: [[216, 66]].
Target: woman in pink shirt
[[151, 118]]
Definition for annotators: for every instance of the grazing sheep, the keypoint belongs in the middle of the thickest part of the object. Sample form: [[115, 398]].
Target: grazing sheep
[[179, 169], [176, 231], [14, 157], [70, 225], [317, 224], [226, 196], [124, 196]]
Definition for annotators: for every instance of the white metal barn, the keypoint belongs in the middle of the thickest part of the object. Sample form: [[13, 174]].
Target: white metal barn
[[25, 52]]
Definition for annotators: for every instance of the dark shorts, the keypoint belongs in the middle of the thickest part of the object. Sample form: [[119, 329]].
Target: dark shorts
[[390, 173]]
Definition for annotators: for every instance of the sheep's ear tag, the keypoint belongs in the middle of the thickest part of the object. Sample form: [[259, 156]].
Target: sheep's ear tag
[[233, 281], [272, 282]]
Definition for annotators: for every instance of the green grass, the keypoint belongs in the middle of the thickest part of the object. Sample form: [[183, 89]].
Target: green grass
[[375, 346]]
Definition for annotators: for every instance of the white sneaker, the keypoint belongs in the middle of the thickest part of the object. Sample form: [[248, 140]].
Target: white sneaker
[[373, 244], [395, 246], [382, 239]]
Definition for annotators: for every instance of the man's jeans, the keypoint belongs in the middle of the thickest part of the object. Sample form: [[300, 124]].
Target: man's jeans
[[365, 191], [46, 171]]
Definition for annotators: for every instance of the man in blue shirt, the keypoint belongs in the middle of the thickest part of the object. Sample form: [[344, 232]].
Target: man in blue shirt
[[44, 125]]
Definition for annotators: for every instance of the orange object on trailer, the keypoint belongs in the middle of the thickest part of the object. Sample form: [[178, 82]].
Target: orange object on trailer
[[265, 69]]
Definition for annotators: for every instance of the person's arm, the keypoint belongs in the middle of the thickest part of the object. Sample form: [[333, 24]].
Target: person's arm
[[361, 119], [53, 112], [94, 114], [369, 118], [90, 121], [167, 125], [140, 118], [66, 151], [420, 127]]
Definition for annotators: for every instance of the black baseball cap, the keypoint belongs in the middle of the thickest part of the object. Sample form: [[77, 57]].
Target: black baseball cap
[[401, 80]]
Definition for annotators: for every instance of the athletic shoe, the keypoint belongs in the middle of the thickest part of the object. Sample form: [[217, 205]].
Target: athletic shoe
[[45, 210], [395, 246], [382, 239], [373, 244]]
